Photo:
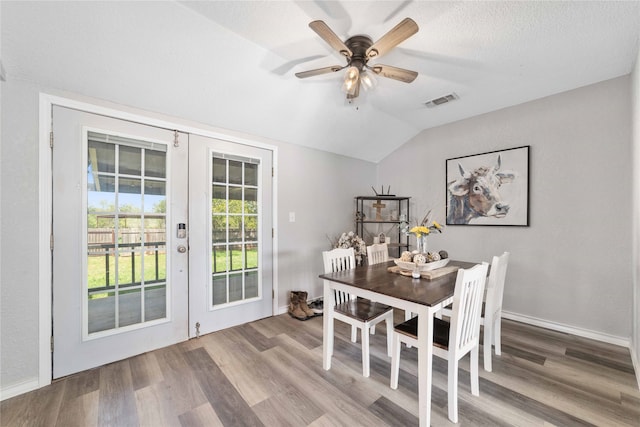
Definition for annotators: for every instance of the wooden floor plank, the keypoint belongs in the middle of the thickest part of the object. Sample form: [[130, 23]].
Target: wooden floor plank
[[228, 404], [145, 370], [270, 373], [154, 406], [201, 416], [117, 399], [80, 410]]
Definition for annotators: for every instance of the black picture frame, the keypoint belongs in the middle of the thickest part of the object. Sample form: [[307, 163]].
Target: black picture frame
[[489, 188]]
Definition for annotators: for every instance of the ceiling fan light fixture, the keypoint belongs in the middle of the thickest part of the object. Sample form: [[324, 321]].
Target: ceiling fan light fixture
[[368, 80], [351, 80]]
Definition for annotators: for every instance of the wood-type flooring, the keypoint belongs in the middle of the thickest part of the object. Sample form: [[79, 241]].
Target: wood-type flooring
[[269, 373]]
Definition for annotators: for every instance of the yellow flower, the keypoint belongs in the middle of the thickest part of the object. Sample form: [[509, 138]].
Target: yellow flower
[[436, 225], [420, 230]]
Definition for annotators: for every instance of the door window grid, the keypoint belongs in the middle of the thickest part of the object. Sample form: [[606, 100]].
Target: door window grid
[[126, 232], [234, 240]]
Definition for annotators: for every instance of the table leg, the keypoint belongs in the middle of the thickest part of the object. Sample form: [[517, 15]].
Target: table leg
[[425, 368], [327, 327]]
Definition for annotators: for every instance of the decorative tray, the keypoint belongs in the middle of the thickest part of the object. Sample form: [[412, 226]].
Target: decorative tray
[[410, 266]]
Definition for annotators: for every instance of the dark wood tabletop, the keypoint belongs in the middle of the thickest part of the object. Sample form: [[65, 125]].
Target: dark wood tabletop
[[377, 278]]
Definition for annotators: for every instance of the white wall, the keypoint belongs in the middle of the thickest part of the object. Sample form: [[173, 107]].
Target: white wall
[[635, 111], [574, 261]]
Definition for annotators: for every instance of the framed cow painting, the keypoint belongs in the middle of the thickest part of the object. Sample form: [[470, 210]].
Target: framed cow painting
[[489, 188]]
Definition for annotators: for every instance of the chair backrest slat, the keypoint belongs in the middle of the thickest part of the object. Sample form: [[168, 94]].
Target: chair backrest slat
[[467, 307], [495, 284], [377, 253], [339, 259]]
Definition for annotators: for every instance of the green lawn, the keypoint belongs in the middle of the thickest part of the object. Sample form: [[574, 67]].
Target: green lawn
[[97, 271]]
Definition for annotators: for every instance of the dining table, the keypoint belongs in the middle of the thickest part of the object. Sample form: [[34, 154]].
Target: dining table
[[383, 283]]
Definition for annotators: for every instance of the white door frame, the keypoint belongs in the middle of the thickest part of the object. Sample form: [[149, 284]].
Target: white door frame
[[91, 105]]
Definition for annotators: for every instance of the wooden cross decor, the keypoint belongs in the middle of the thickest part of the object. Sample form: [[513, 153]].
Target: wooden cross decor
[[379, 206]]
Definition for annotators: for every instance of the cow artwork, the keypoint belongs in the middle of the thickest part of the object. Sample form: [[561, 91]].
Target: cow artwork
[[476, 194]]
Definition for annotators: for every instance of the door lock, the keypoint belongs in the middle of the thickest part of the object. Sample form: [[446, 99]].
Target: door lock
[[182, 249]]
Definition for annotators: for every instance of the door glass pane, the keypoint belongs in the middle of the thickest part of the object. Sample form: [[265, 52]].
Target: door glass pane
[[126, 233], [154, 164], [219, 170], [251, 284], [129, 307], [102, 312], [235, 172], [234, 238], [155, 303], [250, 174], [219, 290], [130, 160]]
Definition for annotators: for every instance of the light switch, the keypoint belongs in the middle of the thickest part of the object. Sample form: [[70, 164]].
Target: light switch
[[292, 217]]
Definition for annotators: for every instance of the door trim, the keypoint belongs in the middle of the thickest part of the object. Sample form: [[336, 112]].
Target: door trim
[[45, 177]]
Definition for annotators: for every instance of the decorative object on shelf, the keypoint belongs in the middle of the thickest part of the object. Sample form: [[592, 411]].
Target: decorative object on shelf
[[352, 240], [382, 238], [379, 206], [476, 194], [404, 224], [382, 193]]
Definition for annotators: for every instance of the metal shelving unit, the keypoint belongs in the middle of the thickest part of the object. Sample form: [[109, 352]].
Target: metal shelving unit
[[383, 206]]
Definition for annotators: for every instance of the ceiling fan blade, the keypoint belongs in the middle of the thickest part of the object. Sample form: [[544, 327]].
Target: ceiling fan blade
[[406, 76], [318, 71], [394, 37], [330, 37]]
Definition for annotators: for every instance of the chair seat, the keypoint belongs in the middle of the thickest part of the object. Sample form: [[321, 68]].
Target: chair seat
[[440, 331], [362, 309]]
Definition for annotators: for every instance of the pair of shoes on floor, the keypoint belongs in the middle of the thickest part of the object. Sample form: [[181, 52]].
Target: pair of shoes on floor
[[298, 307]]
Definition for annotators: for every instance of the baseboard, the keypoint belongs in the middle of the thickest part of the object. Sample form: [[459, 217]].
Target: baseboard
[[20, 388], [585, 333], [636, 363]]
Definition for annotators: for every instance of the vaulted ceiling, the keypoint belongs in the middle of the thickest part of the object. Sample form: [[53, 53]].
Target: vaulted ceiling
[[237, 60]]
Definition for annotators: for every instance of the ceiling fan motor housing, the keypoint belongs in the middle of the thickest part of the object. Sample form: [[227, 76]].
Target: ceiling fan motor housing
[[358, 46]]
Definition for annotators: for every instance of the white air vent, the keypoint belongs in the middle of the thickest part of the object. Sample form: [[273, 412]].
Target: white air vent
[[442, 100]]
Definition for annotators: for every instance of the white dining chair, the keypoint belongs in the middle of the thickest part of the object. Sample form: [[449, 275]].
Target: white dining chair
[[492, 309], [452, 339], [377, 253], [360, 313]]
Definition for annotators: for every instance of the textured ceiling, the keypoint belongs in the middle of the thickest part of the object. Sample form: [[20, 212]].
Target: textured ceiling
[[491, 54], [235, 60]]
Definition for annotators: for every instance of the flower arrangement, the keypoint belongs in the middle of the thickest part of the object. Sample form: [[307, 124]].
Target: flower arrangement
[[420, 230], [352, 240]]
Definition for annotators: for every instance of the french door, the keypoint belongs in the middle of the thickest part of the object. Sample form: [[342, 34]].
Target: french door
[[131, 266], [230, 191]]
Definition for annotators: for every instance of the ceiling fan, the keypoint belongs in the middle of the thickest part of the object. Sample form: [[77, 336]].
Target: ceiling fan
[[358, 50]]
